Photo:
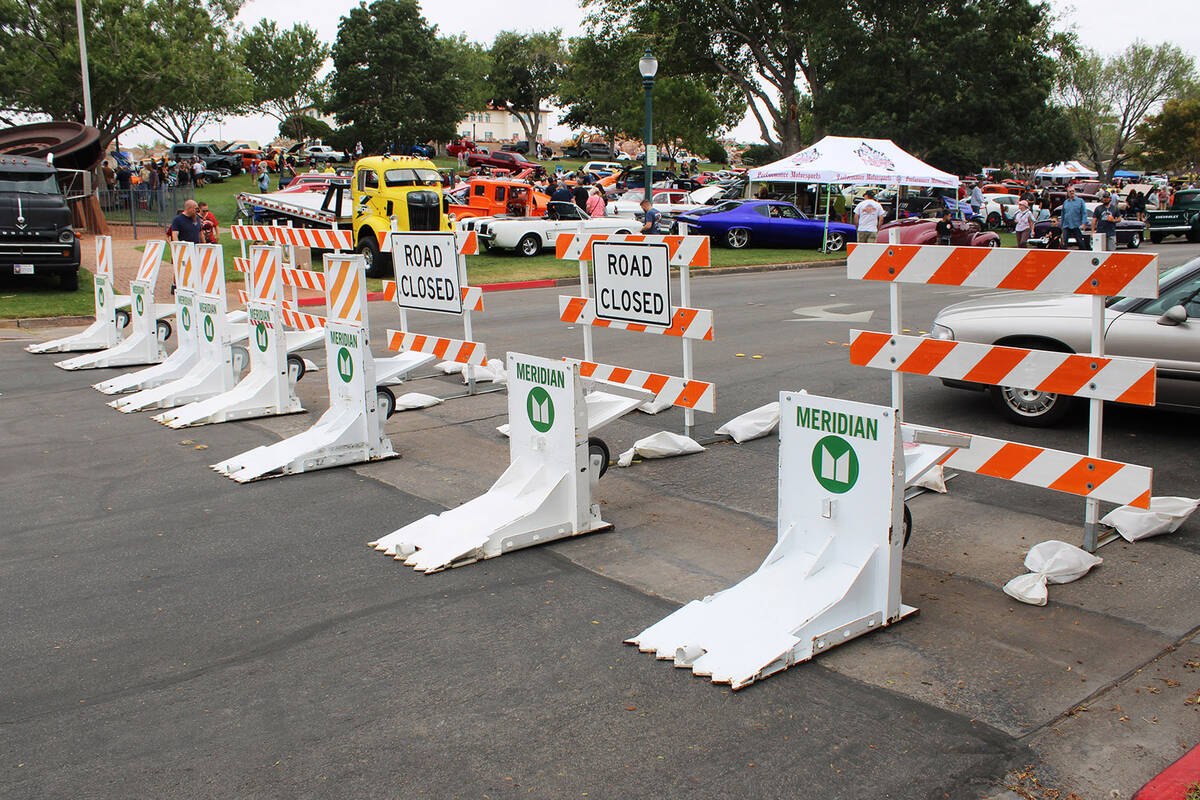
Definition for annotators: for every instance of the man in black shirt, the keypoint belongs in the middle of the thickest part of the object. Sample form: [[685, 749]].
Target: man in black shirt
[[187, 227], [944, 228], [581, 196]]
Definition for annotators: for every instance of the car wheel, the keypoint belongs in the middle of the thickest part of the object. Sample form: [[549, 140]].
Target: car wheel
[[1193, 236], [295, 368], [1030, 407], [995, 242], [994, 220], [1135, 240], [737, 238], [385, 400], [1157, 238], [835, 243], [376, 265], [530, 245], [68, 281], [586, 155]]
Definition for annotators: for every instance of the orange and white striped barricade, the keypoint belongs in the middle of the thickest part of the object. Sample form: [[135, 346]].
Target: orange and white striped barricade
[[431, 276], [102, 333], [142, 345], [544, 495], [185, 356], [266, 390], [351, 430], [212, 371], [630, 274], [1089, 375]]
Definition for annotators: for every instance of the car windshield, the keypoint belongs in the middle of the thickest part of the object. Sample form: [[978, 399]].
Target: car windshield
[[728, 205], [28, 182], [412, 177]]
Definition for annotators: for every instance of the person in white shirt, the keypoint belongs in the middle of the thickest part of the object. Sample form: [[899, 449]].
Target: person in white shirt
[[1024, 223], [867, 216]]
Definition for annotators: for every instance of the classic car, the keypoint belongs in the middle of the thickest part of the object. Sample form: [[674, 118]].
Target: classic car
[[1000, 210], [1163, 329], [528, 235], [321, 152], [1182, 218], [488, 197], [667, 201], [1046, 233], [501, 159], [461, 146], [924, 231], [601, 167], [740, 223]]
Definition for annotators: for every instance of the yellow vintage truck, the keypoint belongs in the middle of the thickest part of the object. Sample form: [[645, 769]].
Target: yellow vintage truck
[[382, 187]]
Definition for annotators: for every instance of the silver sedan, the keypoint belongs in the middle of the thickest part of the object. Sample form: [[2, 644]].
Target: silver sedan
[[1165, 329]]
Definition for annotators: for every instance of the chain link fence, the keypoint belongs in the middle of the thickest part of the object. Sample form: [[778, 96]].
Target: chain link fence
[[141, 207]]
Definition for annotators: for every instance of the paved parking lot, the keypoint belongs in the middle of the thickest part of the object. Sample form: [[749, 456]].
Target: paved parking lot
[[173, 634]]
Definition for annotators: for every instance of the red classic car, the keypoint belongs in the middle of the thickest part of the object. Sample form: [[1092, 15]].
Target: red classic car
[[461, 146], [916, 230]]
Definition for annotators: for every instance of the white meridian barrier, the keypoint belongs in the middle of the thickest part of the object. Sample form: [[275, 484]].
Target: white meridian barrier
[[546, 492], [351, 430], [183, 259], [212, 372], [631, 277], [142, 345], [266, 389], [101, 334], [834, 572]]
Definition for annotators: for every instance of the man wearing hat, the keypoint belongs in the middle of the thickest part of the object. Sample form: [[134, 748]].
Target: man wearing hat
[[1105, 219], [1024, 221]]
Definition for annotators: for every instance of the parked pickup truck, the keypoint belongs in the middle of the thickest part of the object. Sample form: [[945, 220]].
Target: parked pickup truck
[[1181, 219], [214, 159], [36, 236], [501, 159]]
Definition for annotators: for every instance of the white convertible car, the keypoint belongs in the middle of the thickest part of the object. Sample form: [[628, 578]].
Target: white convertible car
[[528, 235]]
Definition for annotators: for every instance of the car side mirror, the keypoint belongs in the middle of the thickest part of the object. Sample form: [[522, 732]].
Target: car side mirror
[[1174, 315]]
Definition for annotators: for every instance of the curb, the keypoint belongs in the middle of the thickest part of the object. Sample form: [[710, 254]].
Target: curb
[[1173, 782], [46, 322]]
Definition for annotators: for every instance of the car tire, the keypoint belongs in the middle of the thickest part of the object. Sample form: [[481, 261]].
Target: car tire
[[69, 281], [530, 245], [1157, 238], [1135, 241], [376, 264], [586, 155], [1193, 236], [994, 220], [1030, 407], [835, 243], [993, 242], [737, 238]]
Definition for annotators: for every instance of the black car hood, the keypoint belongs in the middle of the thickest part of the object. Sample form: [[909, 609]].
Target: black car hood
[[37, 211]]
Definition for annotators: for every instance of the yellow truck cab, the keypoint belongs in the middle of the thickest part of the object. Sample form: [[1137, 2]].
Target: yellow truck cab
[[407, 188]]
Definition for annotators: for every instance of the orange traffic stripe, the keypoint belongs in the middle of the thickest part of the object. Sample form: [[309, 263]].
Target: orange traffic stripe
[[866, 345], [1009, 460], [1072, 374], [927, 355], [1032, 269], [1142, 392], [893, 261], [1111, 277], [998, 362], [1086, 475], [958, 266]]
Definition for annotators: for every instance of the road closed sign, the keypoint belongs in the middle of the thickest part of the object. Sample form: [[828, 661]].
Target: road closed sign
[[633, 282], [426, 272]]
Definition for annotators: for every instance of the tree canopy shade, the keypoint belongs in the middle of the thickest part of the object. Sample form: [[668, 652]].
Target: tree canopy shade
[[137, 65], [1107, 99], [523, 72], [1172, 137], [950, 80], [283, 65], [394, 81]]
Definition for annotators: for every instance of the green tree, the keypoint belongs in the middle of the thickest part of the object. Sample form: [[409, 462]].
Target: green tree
[[469, 64], [284, 68], [394, 80], [302, 126], [220, 86], [137, 63], [524, 73], [1107, 99], [1171, 138]]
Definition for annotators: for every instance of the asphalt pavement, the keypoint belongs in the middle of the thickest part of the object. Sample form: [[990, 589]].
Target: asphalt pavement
[[170, 633]]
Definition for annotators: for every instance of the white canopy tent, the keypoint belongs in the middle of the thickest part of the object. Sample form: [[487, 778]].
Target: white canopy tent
[[849, 160], [1065, 170]]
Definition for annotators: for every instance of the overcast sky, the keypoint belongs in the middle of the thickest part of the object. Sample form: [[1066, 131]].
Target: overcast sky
[[1104, 25]]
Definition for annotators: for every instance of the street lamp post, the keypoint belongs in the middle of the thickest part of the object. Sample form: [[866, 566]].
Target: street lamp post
[[648, 66]]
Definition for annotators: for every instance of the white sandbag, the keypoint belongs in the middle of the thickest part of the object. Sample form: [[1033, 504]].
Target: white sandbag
[[663, 444], [1165, 515], [449, 367], [1049, 562], [492, 371], [503, 429], [412, 400], [655, 404], [753, 424], [934, 479]]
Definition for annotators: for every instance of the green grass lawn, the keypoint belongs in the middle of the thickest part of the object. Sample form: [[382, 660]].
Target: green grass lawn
[[41, 297]]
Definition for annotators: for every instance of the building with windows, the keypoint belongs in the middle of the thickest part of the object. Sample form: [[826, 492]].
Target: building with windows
[[496, 124]]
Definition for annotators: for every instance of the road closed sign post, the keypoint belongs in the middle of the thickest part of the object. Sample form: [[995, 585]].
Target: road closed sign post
[[427, 274], [633, 282]]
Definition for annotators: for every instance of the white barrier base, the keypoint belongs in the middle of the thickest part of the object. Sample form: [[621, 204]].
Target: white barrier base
[[178, 364], [100, 335], [527, 506], [253, 397], [336, 439], [394, 369], [204, 380], [795, 606], [134, 351]]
